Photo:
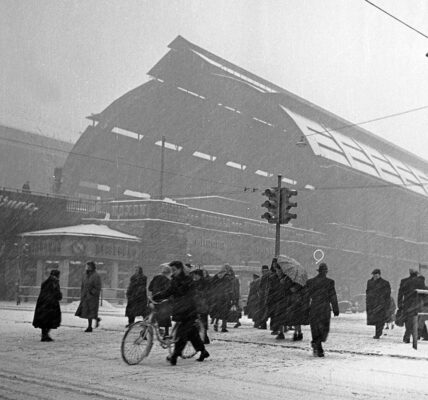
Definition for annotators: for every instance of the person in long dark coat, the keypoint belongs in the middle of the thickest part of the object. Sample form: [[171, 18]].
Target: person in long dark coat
[[273, 299], [160, 283], [184, 311], [263, 292], [378, 297], [222, 285], [323, 298], [201, 283], [90, 296], [236, 296], [293, 308], [47, 314], [137, 296], [408, 301], [252, 309]]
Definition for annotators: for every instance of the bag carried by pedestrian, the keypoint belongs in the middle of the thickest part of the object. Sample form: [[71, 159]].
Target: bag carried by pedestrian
[[399, 317], [235, 313]]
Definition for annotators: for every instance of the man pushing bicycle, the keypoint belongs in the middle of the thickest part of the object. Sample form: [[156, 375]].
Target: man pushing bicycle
[[184, 312]]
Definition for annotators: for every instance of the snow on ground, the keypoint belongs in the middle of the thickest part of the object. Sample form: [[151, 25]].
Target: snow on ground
[[245, 363]]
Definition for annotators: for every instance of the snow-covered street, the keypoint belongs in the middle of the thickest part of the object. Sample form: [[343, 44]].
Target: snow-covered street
[[245, 363]]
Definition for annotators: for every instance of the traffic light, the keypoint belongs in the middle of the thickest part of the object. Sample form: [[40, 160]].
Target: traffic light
[[286, 204], [272, 205]]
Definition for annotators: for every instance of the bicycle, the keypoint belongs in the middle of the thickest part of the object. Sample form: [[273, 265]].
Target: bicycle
[[137, 340]]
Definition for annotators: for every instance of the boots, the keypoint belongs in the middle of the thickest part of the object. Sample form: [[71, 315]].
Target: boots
[[172, 359], [45, 336], [204, 354]]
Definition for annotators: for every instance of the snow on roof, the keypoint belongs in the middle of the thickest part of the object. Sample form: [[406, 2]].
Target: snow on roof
[[91, 230]]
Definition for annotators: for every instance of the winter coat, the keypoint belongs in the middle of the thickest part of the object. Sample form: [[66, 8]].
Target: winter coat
[[89, 296], [201, 296], [295, 306], [137, 296], [164, 310], [274, 300], [323, 298], [222, 295], [253, 308], [378, 295], [182, 290], [391, 311], [47, 314], [263, 292], [408, 300]]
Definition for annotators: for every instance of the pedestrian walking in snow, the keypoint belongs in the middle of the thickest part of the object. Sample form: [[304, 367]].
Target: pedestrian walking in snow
[[201, 297], [408, 302], [378, 297], [184, 312], [222, 296], [90, 296], [323, 299], [47, 314], [263, 292], [137, 296], [252, 308], [158, 284]]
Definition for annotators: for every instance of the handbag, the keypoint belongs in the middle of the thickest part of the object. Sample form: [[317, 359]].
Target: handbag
[[399, 317], [234, 314]]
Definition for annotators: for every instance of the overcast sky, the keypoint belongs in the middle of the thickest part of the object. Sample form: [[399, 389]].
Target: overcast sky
[[63, 60]]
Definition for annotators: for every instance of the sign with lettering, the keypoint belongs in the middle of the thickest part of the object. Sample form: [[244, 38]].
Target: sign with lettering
[[29, 208]]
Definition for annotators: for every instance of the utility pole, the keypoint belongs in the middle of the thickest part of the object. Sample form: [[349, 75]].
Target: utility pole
[[162, 168], [278, 222]]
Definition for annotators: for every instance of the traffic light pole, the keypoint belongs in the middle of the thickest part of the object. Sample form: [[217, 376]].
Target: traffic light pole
[[278, 222]]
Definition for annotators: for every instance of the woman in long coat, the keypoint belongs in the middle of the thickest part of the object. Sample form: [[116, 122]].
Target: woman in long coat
[[137, 296], [47, 314], [293, 308], [253, 300], [90, 296], [159, 284], [222, 294]]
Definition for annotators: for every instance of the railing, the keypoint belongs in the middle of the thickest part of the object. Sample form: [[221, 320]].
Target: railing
[[116, 295], [423, 312]]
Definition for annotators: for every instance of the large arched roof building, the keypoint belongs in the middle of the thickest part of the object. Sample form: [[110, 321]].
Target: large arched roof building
[[228, 134]]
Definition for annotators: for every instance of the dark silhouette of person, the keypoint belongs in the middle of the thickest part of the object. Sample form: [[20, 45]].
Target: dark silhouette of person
[[323, 298], [47, 314]]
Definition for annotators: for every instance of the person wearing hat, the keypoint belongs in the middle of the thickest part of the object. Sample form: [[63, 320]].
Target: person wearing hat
[[90, 296], [263, 292], [408, 302], [323, 298], [136, 295], [184, 312], [47, 314], [378, 299]]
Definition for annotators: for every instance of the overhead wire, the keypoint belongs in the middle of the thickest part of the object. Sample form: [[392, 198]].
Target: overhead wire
[[397, 19]]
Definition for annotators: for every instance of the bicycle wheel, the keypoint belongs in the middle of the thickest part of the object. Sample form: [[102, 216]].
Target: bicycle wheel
[[137, 342], [189, 351]]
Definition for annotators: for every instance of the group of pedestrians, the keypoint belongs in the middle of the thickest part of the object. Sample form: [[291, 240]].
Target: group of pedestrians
[[380, 305], [288, 304], [184, 295], [47, 314]]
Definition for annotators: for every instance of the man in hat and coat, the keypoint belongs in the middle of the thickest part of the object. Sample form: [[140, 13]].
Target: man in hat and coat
[[323, 298], [184, 312], [47, 314], [408, 301], [378, 298], [90, 296]]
